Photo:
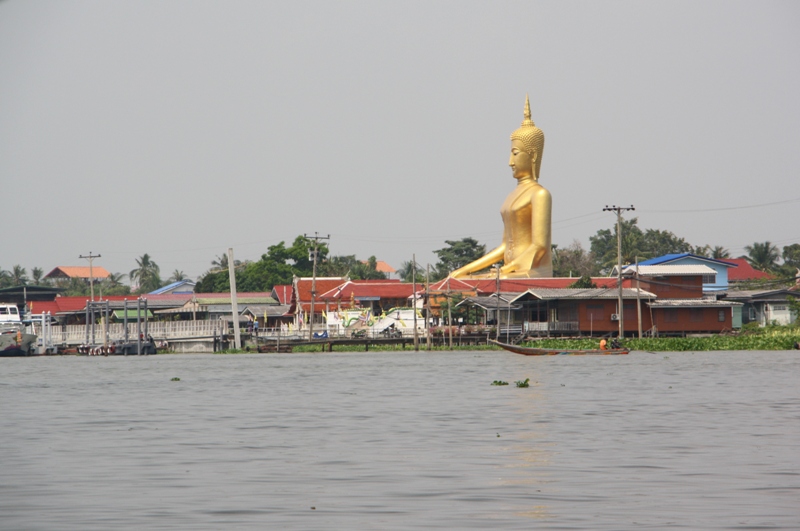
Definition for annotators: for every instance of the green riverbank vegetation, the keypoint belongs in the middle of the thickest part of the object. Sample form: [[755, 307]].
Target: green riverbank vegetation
[[767, 338]]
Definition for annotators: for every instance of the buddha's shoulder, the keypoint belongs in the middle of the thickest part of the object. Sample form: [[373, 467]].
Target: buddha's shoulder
[[537, 192]]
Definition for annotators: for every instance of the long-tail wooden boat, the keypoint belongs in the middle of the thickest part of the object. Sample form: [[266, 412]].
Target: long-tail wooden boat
[[532, 351]]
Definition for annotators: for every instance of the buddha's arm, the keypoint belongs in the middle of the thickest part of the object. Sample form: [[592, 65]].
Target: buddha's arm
[[532, 256], [490, 258]]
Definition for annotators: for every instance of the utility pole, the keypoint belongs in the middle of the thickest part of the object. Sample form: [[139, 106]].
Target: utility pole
[[427, 306], [414, 292], [497, 301], [449, 314], [638, 298], [237, 337], [313, 256], [91, 271], [619, 211]]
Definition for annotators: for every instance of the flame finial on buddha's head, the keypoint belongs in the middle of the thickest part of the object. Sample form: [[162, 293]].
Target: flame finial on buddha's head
[[531, 136]]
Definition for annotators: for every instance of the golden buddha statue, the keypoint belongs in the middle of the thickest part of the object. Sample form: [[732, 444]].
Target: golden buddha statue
[[525, 251]]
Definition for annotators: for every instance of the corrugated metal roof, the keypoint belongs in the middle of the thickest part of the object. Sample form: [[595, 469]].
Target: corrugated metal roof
[[761, 294], [660, 260], [169, 287], [490, 303], [670, 270], [589, 293], [692, 303], [272, 310]]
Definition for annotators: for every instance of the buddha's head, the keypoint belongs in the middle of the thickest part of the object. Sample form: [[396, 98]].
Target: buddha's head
[[530, 139]]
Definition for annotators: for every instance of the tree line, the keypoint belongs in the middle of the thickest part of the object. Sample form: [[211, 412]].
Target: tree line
[[281, 263]]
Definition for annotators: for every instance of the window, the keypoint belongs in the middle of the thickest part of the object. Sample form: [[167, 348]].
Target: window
[[709, 279], [695, 315], [721, 316], [752, 313], [779, 308]]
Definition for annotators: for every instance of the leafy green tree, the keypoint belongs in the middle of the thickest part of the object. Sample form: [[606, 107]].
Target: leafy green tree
[[762, 256], [604, 245], [338, 266], [367, 270], [574, 260], [146, 275], [112, 285], [5, 278], [635, 244], [585, 282], [278, 266], [661, 242], [74, 287], [791, 255], [458, 254], [350, 266]]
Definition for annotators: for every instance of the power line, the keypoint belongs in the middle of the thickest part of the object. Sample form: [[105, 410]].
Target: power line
[[742, 207]]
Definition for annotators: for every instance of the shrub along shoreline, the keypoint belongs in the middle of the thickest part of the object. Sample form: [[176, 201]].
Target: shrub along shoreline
[[770, 338]]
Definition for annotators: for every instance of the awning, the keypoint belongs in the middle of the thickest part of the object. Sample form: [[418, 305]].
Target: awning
[[120, 314]]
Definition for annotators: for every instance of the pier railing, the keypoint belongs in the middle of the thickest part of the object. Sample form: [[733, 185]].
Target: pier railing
[[76, 334]]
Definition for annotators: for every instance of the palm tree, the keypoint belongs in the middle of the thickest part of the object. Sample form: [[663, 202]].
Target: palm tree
[[762, 256], [19, 277], [720, 252], [147, 275], [37, 273], [177, 276], [5, 278], [220, 262], [406, 271], [115, 279]]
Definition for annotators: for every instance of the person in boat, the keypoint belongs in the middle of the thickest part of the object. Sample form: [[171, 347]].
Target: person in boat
[[615, 344], [603, 345], [525, 250]]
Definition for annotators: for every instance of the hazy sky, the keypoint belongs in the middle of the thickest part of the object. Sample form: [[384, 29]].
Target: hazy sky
[[182, 128]]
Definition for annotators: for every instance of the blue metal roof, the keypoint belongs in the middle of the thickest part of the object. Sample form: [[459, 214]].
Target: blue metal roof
[[170, 287], [676, 256]]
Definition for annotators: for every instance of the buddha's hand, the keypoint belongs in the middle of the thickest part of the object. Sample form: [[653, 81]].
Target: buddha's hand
[[508, 268]]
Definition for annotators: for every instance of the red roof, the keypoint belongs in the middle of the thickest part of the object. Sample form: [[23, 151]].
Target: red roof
[[324, 284], [744, 271], [283, 293], [77, 272], [364, 288]]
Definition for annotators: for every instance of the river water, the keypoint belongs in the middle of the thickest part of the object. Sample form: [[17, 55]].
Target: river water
[[401, 441]]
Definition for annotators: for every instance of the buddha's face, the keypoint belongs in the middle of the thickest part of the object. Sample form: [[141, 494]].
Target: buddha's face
[[521, 161]]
